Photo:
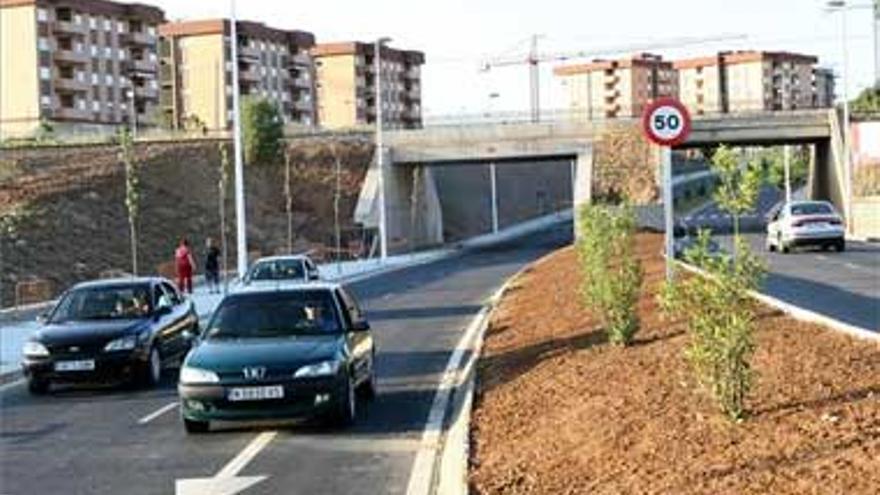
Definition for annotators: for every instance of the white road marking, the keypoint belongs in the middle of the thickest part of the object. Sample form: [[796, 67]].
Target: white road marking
[[7, 386], [238, 463], [422, 470], [155, 414], [226, 481]]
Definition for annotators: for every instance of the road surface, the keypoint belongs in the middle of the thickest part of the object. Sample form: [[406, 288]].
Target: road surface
[[119, 441]]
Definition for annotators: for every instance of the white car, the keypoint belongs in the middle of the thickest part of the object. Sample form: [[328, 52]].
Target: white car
[[805, 223], [285, 269]]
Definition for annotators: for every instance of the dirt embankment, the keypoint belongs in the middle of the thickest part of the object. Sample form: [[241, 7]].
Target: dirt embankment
[[559, 411], [74, 223]]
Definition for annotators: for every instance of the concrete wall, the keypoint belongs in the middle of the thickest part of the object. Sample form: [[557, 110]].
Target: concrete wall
[[866, 217], [19, 81]]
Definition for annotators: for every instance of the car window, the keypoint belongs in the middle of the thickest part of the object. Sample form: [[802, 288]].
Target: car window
[[282, 314], [284, 269], [104, 303], [351, 306], [172, 293], [811, 209]]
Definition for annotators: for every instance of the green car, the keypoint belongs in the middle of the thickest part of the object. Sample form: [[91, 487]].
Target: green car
[[292, 352]]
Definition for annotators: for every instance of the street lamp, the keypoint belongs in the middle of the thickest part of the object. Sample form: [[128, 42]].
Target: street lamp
[[241, 222], [380, 159], [840, 7], [132, 113]]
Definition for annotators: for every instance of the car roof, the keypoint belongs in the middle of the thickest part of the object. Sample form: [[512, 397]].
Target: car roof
[[118, 282], [282, 257], [284, 286]]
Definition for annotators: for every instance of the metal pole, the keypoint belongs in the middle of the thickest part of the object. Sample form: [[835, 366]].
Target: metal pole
[[380, 159], [877, 43], [534, 80], [132, 114], [241, 221], [492, 181], [847, 171], [666, 153], [786, 163]]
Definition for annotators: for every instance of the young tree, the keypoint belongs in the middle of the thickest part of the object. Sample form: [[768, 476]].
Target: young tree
[[132, 191], [222, 186], [263, 130], [288, 200], [739, 184]]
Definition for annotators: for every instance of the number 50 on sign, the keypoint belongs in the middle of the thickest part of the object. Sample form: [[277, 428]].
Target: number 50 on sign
[[666, 122]]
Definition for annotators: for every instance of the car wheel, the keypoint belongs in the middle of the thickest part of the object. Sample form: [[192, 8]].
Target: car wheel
[[37, 386], [783, 248], [346, 407], [194, 427], [841, 246], [153, 369], [367, 389], [769, 245]]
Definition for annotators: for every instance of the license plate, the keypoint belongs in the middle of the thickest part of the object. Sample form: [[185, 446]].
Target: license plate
[[81, 365], [256, 393]]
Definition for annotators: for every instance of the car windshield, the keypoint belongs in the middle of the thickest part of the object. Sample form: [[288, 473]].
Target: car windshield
[[104, 303], [283, 314], [276, 270], [811, 209]]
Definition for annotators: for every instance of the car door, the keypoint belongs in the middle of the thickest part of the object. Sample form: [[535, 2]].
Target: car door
[[180, 319], [310, 270], [360, 343], [773, 227]]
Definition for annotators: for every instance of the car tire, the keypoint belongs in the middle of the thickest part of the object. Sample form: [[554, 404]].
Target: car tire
[[770, 246], [783, 248], [346, 406], [195, 427], [367, 390], [152, 373], [840, 246], [37, 386]]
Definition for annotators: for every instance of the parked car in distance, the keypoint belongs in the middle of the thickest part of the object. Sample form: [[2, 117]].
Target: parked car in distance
[[110, 330], [276, 270], [289, 352], [805, 223]]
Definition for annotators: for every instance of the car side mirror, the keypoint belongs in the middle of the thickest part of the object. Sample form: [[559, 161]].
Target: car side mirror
[[42, 318], [314, 275], [360, 326]]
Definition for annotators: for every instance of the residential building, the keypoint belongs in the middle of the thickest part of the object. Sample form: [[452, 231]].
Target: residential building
[[197, 64], [751, 81], [617, 88], [77, 65], [823, 88], [347, 85]]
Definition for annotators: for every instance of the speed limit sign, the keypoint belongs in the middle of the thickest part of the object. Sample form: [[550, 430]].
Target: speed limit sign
[[666, 122]]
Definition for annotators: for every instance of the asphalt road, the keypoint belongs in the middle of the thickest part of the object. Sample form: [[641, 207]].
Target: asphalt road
[[115, 441], [844, 286], [711, 216]]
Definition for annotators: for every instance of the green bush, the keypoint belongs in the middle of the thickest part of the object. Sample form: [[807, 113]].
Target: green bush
[[610, 272], [262, 131]]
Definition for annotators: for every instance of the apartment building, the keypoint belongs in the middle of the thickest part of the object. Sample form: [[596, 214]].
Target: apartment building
[[617, 88], [346, 85], [78, 65], [197, 65], [753, 81]]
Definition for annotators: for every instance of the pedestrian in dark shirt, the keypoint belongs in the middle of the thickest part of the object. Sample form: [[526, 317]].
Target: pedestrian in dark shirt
[[212, 266]]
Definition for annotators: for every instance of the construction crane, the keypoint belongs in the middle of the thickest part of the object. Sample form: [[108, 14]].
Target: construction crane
[[534, 58]]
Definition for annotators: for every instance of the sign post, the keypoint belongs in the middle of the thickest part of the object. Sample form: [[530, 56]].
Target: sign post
[[667, 123]]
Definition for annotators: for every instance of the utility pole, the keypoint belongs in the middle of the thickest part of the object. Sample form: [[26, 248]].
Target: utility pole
[[786, 163], [877, 43], [241, 221], [380, 159], [534, 80]]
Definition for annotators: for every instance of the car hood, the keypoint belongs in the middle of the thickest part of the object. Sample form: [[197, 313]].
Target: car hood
[[229, 356], [86, 332]]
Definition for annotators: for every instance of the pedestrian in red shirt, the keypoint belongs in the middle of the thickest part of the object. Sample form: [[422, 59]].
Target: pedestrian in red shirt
[[185, 264]]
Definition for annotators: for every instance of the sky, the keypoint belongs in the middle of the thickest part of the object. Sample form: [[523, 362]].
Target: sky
[[458, 35]]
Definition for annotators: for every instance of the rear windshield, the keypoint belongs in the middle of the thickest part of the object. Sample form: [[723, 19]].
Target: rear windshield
[[811, 209], [279, 314], [276, 270], [104, 303]]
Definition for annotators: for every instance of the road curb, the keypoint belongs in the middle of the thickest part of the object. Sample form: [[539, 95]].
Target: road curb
[[451, 468], [799, 313]]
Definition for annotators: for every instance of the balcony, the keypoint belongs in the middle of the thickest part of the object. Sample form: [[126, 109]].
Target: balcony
[[70, 113], [64, 84], [300, 59], [146, 93], [303, 105], [302, 82], [248, 52], [69, 27], [139, 38], [413, 73], [249, 76], [72, 57], [142, 66]]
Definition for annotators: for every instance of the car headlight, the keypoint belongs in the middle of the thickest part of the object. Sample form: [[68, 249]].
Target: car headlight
[[126, 343], [34, 349], [190, 375], [324, 368]]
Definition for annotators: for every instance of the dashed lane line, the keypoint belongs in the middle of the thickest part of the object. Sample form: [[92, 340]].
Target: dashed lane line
[[158, 412]]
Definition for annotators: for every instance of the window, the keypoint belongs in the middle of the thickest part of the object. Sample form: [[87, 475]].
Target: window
[[108, 79], [81, 104], [120, 27], [151, 31], [93, 22], [107, 25], [94, 78], [42, 15], [77, 19], [96, 106], [94, 51], [45, 73], [43, 44], [108, 52], [46, 101]]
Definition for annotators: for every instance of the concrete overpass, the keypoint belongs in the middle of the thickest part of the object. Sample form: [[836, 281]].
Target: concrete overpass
[[414, 205]]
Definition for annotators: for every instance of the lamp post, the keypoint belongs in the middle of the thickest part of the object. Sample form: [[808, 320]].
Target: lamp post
[[840, 7], [380, 159], [132, 113], [241, 225]]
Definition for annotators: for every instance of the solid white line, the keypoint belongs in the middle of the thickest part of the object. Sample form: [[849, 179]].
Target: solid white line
[[155, 414], [422, 471], [7, 386], [234, 466]]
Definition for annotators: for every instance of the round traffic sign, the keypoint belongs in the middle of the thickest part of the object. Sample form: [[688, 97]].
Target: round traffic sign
[[666, 122]]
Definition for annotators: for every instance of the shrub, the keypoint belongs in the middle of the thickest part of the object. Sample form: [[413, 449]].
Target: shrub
[[262, 129], [611, 273]]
